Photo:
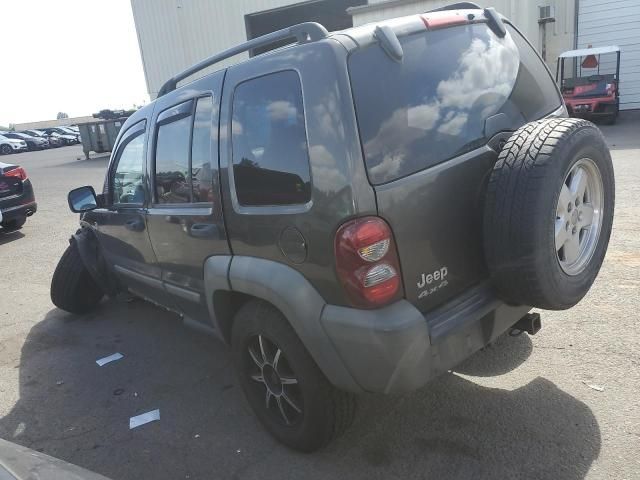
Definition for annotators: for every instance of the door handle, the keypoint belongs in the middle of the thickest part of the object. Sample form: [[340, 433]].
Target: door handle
[[135, 225], [202, 230]]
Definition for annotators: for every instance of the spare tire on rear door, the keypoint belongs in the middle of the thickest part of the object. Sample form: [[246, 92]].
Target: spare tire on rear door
[[548, 213]]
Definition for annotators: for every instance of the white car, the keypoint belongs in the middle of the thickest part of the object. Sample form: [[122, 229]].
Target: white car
[[65, 138], [10, 145]]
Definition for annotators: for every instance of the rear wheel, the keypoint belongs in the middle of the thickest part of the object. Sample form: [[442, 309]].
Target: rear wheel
[[285, 388], [72, 287], [5, 149]]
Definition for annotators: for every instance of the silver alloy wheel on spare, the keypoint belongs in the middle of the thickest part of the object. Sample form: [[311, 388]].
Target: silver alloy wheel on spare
[[282, 395], [579, 216]]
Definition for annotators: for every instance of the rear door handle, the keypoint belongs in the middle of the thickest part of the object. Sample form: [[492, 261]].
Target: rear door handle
[[135, 225], [202, 230]]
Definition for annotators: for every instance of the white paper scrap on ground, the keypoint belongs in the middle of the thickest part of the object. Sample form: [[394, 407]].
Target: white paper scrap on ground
[[109, 359], [598, 388], [144, 418]]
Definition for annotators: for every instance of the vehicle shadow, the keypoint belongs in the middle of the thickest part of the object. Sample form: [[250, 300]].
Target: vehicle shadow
[[9, 235], [77, 162], [505, 354], [72, 409]]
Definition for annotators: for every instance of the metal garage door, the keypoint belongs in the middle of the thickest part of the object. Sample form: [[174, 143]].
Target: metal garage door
[[615, 22]]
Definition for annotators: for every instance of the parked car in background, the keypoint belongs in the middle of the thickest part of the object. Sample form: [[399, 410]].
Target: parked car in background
[[17, 200], [33, 143], [64, 138], [67, 139], [53, 141], [63, 131], [11, 145], [69, 130]]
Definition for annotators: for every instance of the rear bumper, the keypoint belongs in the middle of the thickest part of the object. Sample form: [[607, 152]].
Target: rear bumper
[[586, 108], [398, 349], [17, 206], [18, 211]]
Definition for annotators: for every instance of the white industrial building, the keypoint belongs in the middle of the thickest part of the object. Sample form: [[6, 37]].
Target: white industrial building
[[174, 34]]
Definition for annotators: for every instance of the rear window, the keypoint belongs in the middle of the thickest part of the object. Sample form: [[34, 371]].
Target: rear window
[[433, 105]]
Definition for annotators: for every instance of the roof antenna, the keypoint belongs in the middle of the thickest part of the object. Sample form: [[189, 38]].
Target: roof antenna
[[389, 42]]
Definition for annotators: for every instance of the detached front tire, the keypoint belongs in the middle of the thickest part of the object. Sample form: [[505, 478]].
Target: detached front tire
[[549, 212], [72, 287], [283, 385]]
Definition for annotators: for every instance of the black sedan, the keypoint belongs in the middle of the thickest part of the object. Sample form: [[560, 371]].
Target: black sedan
[[17, 201]]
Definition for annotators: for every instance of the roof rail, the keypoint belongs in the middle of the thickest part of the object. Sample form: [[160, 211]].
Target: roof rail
[[302, 32]]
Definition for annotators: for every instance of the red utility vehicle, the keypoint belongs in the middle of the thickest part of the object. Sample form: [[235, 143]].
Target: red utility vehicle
[[591, 86]]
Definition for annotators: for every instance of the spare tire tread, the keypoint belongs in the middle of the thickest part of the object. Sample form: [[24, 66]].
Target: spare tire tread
[[524, 168]]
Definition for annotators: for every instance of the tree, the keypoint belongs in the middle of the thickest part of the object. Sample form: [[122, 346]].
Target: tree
[[62, 115]]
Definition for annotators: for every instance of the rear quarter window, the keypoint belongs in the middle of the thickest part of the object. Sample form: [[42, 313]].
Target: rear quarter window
[[269, 142], [433, 105]]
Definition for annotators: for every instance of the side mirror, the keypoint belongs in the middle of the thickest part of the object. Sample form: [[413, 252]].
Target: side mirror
[[82, 199]]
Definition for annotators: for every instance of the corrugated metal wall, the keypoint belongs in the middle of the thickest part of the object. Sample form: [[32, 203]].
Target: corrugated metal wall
[[615, 22], [175, 34]]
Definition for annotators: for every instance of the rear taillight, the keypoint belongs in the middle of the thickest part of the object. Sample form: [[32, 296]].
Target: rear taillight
[[16, 172], [367, 262]]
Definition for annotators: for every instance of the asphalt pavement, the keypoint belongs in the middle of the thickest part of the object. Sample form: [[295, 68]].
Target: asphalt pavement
[[562, 405]]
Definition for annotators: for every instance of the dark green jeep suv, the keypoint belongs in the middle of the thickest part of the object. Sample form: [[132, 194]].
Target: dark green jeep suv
[[358, 211]]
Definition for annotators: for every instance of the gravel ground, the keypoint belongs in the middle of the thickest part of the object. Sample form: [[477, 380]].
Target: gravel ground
[[564, 404]]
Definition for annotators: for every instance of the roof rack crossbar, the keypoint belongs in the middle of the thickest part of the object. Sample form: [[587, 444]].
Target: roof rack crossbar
[[302, 32]]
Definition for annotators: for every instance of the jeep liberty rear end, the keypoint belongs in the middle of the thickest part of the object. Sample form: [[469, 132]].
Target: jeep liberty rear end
[[426, 125], [380, 203]]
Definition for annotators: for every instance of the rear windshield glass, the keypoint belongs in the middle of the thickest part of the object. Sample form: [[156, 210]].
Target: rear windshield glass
[[432, 106]]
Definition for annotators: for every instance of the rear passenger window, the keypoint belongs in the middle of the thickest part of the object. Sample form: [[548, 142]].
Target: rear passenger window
[[183, 172], [270, 157], [172, 162]]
